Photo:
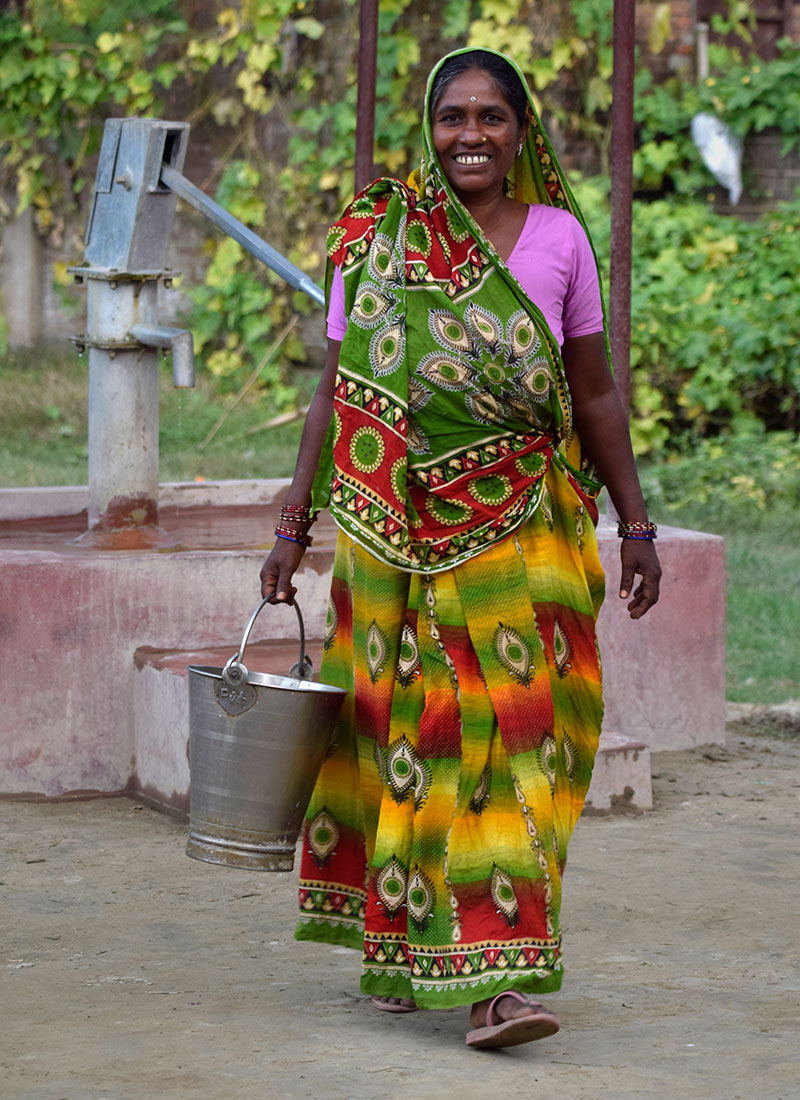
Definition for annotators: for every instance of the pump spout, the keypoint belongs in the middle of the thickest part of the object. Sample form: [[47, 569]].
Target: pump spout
[[179, 340]]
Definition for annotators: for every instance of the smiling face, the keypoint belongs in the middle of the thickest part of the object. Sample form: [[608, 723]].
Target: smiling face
[[476, 135]]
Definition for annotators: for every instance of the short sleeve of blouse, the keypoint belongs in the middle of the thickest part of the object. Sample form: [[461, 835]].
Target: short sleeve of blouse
[[583, 307], [337, 318]]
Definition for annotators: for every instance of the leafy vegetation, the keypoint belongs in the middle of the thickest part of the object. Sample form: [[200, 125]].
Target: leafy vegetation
[[715, 328], [66, 63], [240, 303], [715, 331], [746, 484], [53, 91], [748, 94]]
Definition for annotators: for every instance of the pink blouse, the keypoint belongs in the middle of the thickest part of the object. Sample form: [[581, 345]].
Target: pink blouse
[[553, 262]]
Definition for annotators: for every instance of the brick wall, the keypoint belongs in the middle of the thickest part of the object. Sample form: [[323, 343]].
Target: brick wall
[[774, 18], [679, 50]]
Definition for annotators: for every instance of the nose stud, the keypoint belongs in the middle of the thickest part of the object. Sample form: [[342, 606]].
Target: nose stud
[[483, 140], [473, 99]]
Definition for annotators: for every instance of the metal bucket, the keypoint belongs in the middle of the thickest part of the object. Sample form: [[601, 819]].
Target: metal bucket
[[256, 744]]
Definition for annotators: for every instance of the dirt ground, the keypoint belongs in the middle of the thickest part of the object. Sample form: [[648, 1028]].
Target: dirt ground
[[132, 973]]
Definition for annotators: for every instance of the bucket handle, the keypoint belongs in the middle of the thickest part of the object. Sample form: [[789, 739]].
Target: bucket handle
[[235, 672]]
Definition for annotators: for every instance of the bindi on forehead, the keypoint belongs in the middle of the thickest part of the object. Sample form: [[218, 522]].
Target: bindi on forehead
[[473, 87], [497, 106]]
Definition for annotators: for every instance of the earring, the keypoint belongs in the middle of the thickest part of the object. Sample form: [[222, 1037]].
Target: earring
[[521, 147]]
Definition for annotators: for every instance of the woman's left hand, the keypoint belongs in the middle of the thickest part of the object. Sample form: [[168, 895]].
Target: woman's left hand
[[639, 556]]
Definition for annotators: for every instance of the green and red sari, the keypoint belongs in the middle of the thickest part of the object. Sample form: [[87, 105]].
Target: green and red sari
[[463, 604]]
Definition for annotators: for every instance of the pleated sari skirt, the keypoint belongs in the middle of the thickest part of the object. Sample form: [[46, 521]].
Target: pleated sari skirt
[[436, 838]]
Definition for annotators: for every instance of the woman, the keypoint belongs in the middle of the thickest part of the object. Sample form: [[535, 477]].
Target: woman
[[472, 412]]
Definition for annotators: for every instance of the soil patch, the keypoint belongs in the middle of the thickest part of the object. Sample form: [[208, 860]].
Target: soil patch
[[130, 972]]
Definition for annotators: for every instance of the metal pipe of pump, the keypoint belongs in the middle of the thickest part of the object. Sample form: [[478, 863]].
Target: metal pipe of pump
[[218, 216], [181, 344]]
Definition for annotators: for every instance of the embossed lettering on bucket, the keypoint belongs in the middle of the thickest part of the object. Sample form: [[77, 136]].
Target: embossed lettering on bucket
[[256, 744]]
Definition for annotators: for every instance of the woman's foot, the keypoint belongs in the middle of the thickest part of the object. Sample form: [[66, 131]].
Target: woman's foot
[[394, 1004], [509, 1019]]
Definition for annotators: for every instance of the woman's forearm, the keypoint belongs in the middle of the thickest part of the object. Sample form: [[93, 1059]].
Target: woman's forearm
[[602, 426], [316, 426], [601, 423], [315, 429]]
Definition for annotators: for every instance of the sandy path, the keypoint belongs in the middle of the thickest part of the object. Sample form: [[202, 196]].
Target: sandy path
[[130, 972]]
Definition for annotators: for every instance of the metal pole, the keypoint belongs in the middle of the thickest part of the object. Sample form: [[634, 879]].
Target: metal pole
[[365, 110], [622, 196], [701, 51]]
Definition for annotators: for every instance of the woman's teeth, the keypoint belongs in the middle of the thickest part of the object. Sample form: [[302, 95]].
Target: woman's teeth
[[471, 158]]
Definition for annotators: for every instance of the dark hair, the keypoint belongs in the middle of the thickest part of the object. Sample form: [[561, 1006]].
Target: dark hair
[[497, 67]]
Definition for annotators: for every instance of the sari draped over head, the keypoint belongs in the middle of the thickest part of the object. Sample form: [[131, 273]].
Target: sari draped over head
[[451, 401]]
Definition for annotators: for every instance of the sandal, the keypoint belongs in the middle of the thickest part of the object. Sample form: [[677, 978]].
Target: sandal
[[399, 1004], [520, 1029]]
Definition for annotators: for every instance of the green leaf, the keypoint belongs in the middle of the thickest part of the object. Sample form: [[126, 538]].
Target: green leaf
[[660, 27], [561, 55], [309, 27], [456, 18], [108, 42], [598, 95]]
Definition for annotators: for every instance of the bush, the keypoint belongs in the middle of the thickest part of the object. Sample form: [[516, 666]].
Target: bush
[[747, 93], [734, 484], [239, 308], [714, 318], [715, 326]]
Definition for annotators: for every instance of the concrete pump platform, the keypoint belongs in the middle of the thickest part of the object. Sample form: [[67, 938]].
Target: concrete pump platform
[[75, 706]]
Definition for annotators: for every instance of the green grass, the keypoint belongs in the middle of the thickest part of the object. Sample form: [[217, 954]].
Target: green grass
[[187, 416], [763, 633], [42, 421], [749, 493], [43, 427], [762, 560]]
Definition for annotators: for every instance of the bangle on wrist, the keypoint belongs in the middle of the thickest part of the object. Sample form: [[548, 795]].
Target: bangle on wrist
[[296, 513], [293, 536], [637, 530]]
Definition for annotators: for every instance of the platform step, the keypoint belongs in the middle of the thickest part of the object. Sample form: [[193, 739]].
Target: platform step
[[620, 782], [621, 777]]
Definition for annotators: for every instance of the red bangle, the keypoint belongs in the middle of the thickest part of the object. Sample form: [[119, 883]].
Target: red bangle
[[296, 513], [293, 536]]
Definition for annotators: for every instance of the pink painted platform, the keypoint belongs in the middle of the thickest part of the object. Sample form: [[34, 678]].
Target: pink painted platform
[[72, 619]]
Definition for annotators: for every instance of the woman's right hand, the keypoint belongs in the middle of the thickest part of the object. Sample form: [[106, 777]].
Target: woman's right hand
[[278, 570]]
